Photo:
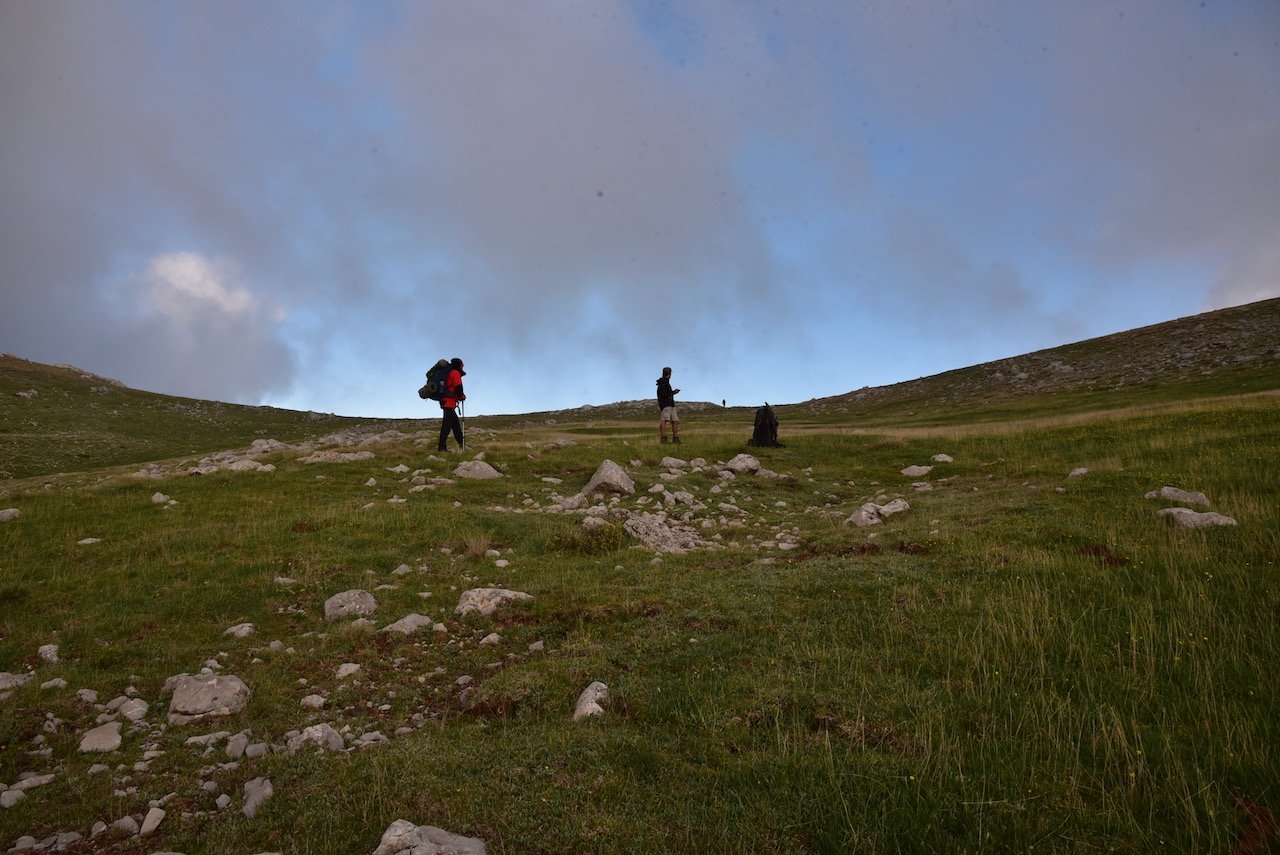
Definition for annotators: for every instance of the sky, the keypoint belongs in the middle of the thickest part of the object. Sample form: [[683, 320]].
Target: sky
[[305, 204]]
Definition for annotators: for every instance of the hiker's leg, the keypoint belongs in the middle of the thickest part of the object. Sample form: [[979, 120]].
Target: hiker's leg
[[457, 429], [662, 428], [444, 429]]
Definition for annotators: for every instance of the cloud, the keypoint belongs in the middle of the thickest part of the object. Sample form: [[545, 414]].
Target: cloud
[[194, 328], [722, 187]]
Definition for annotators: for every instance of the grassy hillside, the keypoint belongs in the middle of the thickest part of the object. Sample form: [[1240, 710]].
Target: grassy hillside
[[62, 419], [1023, 659]]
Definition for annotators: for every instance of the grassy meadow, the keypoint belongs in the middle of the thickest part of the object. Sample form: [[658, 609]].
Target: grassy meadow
[[1022, 661]]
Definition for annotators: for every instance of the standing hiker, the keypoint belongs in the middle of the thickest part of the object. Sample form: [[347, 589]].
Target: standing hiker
[[667, 408], [449, 400]]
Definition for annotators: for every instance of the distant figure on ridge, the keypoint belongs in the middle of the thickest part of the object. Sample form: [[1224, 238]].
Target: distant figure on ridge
[[667, 408], [449, 400]]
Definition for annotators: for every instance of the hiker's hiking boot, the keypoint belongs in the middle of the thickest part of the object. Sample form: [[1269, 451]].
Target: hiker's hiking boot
[[664, 440], [676, 440]]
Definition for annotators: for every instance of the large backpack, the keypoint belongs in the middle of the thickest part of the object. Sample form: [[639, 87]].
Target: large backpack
[[436, 377]]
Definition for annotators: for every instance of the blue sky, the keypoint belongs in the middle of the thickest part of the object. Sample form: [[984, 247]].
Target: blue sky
[[306, 204]]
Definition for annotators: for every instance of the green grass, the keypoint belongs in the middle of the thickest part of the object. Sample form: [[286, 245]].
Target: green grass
[[1022, 661], [1003, 667]]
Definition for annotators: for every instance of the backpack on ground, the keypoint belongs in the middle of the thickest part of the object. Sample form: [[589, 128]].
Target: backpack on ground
[[436, 377], [765, 434]]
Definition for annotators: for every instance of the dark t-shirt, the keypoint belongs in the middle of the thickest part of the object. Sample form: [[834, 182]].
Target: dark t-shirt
[[666, 397]]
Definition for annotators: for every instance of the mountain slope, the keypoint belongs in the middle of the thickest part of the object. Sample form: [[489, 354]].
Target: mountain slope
[[1230, 351], [57, 418]]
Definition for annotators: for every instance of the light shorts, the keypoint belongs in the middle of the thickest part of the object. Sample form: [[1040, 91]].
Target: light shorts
[[669, 415]]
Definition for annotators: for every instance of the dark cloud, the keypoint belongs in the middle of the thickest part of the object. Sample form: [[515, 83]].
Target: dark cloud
[[732, 189]]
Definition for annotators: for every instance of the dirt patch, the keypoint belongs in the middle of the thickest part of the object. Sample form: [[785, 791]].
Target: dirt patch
[[906, 547], [1105, 555]]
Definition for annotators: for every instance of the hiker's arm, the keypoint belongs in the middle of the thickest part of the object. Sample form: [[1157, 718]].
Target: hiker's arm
[[458, 393]]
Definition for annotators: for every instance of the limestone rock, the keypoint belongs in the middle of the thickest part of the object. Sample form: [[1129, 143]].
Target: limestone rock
[[196, 698], [487, 600], [1174, 494], [610, 478], [346, 669], [105, 737], [404, 838], [1187, 518], [12, 681], [661, 534], [348, 603], [942, 458], [409, 624], [917, 471], [134, 709], [337, 456], [673, 463], [151, 822], [743, 464], [240, 630], [872, 514], [1078, 472], [476, 469], [9, 514], [48, 652], [256, 792], [322, 736], [589, 702]]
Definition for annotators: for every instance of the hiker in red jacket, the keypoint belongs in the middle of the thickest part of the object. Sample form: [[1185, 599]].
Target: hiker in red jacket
[[449, 406]]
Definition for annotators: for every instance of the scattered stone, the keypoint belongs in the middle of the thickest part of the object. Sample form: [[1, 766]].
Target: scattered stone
[[151, 822], [55, 683], [314, 702], [337, 456], [12, 681], [348, 603], [609, 478], [922, 486], [321, 735], [917, 471], [1078, 472], [661, 534], [48, 652], [88, 541], [223, 801], [1187, 518], [196, 698], [134, 709], [285, 581], [127, 824], [673, 463], [237, 745], [476, 469], [942, 458], [105, 737], [9, 798], [404, 838], [1174, 494], [402, 570], [491, 639], [872, 514], [589, 702], [256, 792], [409, 624], [487, 600], [346, 669], [743, 464], [240, 630], [160, 499], [9, 514]]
